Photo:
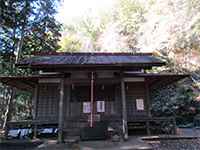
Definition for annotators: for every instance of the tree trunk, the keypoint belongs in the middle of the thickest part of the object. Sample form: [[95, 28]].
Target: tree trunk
[[20, 44], [8, 112]]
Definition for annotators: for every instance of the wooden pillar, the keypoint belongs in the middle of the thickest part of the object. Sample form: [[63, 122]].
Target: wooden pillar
[[174, 127], [60, 117], [147, 107], [148, 99], [124, 111], [68, 90], [148, 127], [92, 99], [35, 106], [67, 108]]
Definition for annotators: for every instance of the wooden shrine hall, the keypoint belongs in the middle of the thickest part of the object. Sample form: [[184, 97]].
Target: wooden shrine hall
[[91, 92]]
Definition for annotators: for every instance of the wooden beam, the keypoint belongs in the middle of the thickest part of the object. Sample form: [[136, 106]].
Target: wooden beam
[[60, 117], [124, 111], [69, 81], [89, 68], [17, 84], [35, 106], [49, 80], [134, 79]]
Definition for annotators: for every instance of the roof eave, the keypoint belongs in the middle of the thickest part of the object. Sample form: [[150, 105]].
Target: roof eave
[[74, 66]]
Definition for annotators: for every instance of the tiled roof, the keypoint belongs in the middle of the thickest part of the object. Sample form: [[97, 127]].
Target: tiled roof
[[93, 59]]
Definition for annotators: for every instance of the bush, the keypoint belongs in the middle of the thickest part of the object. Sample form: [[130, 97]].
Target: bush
[[175, 101]]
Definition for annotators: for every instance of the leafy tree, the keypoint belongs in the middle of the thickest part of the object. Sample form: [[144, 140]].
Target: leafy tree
[[31, 22], [130, 16], [111, 30], [26, 26], [43, 31], [172, 29], [70, 43], [83, 34]]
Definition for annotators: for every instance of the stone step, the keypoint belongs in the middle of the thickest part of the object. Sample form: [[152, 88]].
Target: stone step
[[137, 147]]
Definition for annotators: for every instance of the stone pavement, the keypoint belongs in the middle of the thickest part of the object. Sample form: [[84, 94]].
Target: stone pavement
[[134, 143], [195, 132]]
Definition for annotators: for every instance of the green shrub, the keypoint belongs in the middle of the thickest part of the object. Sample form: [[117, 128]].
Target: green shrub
[[175, 101]]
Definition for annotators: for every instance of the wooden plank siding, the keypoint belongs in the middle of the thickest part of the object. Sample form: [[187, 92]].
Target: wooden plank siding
[[74, 118], [48, 102], [135, 90]]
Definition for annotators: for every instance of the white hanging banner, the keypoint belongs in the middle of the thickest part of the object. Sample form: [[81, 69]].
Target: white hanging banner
[[140, 104], [86, 107], [100, 106]]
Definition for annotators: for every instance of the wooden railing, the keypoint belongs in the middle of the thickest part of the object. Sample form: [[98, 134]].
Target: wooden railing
[[30, 123]]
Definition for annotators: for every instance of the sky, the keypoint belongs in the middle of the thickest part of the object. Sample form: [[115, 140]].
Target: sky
[[70, 10]]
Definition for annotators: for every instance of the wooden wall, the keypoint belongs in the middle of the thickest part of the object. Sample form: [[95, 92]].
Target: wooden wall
[[135, 90], [48, 101], [48, 97], [80, 94]]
